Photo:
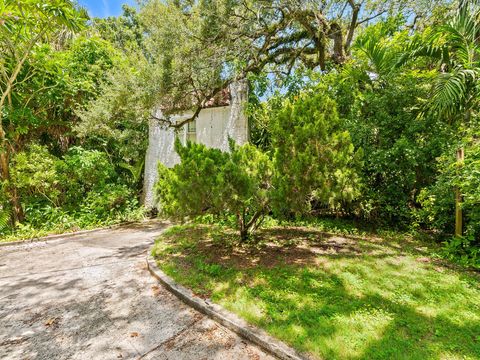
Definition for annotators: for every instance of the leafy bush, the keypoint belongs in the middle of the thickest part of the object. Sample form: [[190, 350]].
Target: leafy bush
[[464, 250], [79, 191], [438, 200], [381, 112], [40, 176], [107, 203], [314, 164], [83, 171], [209, 181], [45, 216], [34, 174]]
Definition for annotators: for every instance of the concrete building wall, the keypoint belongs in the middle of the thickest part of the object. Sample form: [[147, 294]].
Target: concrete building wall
[[213, 127]]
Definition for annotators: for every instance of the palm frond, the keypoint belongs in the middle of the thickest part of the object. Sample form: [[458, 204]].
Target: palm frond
[[451, 90], [418, 48], [135, 170], [461, 43], [381, 57], [5, 215]]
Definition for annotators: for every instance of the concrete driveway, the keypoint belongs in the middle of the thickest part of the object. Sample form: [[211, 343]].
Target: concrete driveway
[[90, 297]]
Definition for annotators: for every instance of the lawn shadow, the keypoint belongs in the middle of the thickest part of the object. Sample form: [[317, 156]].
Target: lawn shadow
[[313, 310], [338, 297], [277, 246]]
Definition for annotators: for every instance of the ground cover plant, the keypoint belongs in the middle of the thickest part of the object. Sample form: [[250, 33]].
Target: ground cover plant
[[332, 296]]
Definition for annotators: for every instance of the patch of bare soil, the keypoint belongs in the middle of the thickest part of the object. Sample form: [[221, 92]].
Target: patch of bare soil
[[281, 246]]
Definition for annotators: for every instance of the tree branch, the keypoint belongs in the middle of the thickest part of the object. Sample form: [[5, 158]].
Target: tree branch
[[371, 17], [353, 25]]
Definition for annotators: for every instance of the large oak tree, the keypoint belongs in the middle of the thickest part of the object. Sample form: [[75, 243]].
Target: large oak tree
[[199, 47]]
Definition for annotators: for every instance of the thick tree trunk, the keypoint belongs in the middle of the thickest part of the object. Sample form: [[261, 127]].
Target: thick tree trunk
[[336, 34]]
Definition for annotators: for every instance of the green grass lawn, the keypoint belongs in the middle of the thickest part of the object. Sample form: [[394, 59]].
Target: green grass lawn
[[330, 296]]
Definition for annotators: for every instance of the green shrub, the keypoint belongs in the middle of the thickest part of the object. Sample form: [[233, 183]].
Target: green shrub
[[34, 174], [316, 165], [107, 203], [399, 146], [464, 250], [209, 181], [438, 200], [83, 171], [79, 191], [45, 216]]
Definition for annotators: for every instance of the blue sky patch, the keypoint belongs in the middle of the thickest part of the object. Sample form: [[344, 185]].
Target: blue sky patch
[[105, 8]]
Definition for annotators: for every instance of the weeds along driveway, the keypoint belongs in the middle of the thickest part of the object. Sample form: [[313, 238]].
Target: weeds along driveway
[[90, 297]]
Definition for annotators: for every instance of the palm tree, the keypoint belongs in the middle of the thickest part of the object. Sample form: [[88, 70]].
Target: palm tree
[[455, 47], [456, 90]]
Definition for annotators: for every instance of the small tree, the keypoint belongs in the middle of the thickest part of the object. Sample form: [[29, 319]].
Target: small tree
[[314, 158], [314, 161], [209, 181]]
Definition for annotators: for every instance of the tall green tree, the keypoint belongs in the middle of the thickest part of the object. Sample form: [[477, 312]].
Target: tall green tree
[[380, 96], [117, 119], [24, 26], [456, 92], [202, 46], [125, 32]]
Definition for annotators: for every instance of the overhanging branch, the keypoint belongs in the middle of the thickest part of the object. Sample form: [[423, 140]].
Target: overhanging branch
[[169, 123]]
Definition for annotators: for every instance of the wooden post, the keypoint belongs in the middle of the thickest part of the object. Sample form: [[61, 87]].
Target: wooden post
[[458, 198]]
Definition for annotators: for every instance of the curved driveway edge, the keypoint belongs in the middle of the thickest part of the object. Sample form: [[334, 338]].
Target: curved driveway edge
[[225, 318], [90, 296]]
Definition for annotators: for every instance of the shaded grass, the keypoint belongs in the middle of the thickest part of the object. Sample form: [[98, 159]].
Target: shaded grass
[[331, 296]]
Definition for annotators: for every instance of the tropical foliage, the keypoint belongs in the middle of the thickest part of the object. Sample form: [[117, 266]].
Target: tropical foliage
[[356, 110], [50, 65]]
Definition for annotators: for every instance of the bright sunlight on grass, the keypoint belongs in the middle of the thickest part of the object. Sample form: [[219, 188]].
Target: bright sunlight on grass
[[333, 297]]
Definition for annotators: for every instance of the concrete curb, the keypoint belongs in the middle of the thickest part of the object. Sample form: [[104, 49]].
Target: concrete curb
[[225, 318], [65, 235]]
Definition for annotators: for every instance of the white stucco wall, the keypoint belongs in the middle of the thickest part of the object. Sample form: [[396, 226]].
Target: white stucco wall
[[213, 128]]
